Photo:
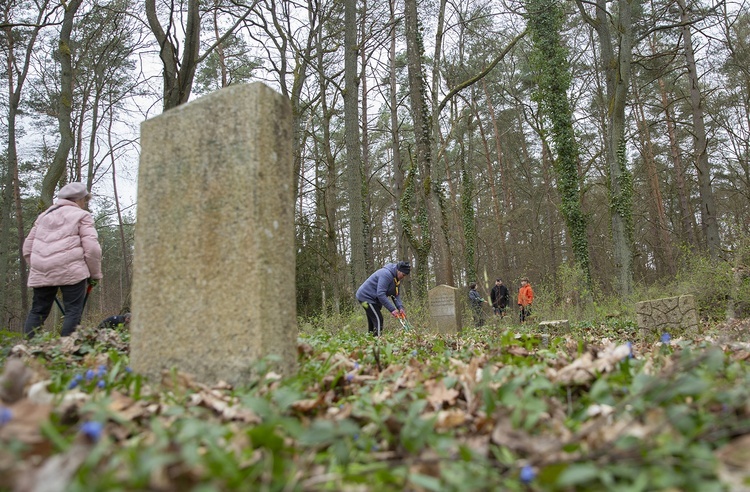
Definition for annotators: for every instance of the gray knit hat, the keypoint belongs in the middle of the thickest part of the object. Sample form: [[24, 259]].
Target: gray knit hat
[[73, 191]]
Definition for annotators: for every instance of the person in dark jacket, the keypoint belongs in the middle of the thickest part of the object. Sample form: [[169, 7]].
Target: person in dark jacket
[[500, 297], [476, 302], [115, 321], [375, 292]]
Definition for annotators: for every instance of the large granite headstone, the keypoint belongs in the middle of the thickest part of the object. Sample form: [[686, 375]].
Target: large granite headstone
[[446, 310], [214, 266], [673, 315]]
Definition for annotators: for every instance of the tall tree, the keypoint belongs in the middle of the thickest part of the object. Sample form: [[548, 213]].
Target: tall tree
[[18, 63], [178, 71], [549, 61], [64, 108], [355, 180], [615, 28], [709, 222], [430, 181]]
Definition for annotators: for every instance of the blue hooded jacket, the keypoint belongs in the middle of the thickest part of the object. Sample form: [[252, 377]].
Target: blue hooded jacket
[[381, 285]]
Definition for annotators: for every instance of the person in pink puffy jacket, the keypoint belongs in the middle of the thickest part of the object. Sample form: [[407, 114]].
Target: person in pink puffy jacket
[[64, 254]]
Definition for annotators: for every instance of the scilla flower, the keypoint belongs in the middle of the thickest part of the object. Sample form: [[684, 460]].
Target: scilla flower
[[5, 415], [527, 474], [92, 430]]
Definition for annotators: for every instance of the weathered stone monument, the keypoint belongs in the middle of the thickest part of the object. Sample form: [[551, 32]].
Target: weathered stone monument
[[214, 266], [552, 325], [446, 310], [673, 315]]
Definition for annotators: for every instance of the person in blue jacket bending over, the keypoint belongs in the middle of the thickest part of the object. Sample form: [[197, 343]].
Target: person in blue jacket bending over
[[375, 292]]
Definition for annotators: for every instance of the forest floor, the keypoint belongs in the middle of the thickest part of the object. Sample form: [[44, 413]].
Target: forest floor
[[494, 408]]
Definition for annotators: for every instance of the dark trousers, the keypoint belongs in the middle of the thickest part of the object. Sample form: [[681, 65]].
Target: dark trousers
[[73, 299], [525, 313], [374, 319], [478, 316]]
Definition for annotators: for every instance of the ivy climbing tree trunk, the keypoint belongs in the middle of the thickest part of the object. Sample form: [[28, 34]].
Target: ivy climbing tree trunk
[[616, 28], [430, 182], [468, 217], [552, 73]]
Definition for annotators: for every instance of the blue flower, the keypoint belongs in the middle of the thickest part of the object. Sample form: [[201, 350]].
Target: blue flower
[[356, 366], [128, 369], [630, 348], [102, 371], [72, 384], [90, 374], [5, 415], [101, 384], [527, 474], [665, 338], [92, 430], [349, 377]]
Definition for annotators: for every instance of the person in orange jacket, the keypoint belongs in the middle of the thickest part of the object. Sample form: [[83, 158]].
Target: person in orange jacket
[[525, 298]]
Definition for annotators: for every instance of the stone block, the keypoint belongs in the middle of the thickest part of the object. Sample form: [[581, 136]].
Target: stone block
[[214, 265], [446, 310], [673, 315]]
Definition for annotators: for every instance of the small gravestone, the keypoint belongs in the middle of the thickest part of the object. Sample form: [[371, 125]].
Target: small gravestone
[[214, 266], [546, 327], [559, 324], [445, 309], [673, 315]]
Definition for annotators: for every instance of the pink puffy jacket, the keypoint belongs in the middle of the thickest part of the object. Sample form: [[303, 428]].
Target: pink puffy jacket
[[63, 247]]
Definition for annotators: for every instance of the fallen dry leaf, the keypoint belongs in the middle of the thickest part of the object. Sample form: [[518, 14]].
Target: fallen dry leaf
[[56, 472], [25, 422], [438, 394]]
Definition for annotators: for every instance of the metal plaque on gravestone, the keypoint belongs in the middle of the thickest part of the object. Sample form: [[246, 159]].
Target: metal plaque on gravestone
[[214, 266], [445, 309]]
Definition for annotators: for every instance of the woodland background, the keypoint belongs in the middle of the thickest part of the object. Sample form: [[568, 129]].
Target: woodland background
[[598, 147]]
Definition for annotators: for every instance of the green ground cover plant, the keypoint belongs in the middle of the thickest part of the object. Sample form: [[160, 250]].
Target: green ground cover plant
[[495, 408]]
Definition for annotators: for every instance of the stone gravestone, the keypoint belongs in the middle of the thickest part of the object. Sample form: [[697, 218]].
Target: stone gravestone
[[445, 309], [552, 326], [214, 265], [673, 315]]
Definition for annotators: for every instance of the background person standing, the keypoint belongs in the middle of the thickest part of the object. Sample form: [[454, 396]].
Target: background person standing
[[525, 299], [63, 253], [476, 304], [500, 297]]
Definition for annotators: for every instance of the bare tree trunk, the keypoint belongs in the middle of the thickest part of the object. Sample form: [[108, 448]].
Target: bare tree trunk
[[700, 141], [16, 77], [616, 28], [220, 47], [65, 107], [353, 149], [398, 168], [125, 280], [178, 74], [663, 242], [687, 217], [499, 213], [365, 193]]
